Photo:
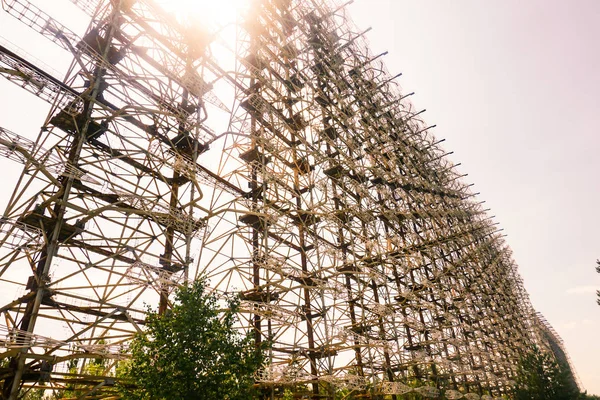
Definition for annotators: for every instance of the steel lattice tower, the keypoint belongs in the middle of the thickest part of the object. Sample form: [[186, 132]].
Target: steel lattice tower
[[326, 203]]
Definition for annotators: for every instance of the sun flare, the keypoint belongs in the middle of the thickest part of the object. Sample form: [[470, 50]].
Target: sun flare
[[214, 14]]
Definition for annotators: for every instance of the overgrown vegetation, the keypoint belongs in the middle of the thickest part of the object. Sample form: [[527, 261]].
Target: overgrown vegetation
[[192, 351], [541, 377], [585, 396]]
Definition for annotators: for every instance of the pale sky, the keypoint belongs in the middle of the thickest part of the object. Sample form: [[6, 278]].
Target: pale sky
[[512, 87]]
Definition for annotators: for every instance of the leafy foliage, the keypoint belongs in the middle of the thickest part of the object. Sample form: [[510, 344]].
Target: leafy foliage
[[541, 377], [192, 352], [585, 396], [31, 394], [93, 367]]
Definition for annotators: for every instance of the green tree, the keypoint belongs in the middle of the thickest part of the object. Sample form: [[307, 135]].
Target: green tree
[[95, 367], [31, 394], [193, 351], [585, 396], [541, 377]]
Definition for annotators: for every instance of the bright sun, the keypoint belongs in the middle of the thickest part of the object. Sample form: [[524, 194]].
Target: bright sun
[[214, 13]]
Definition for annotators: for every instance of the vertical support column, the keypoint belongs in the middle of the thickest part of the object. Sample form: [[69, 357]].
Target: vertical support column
[[12, 386]]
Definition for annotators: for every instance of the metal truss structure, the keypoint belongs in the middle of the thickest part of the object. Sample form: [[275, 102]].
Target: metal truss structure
[[552, 343], [325, 202]]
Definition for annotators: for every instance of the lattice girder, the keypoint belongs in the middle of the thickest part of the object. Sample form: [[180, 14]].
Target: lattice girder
[[327, 205]]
